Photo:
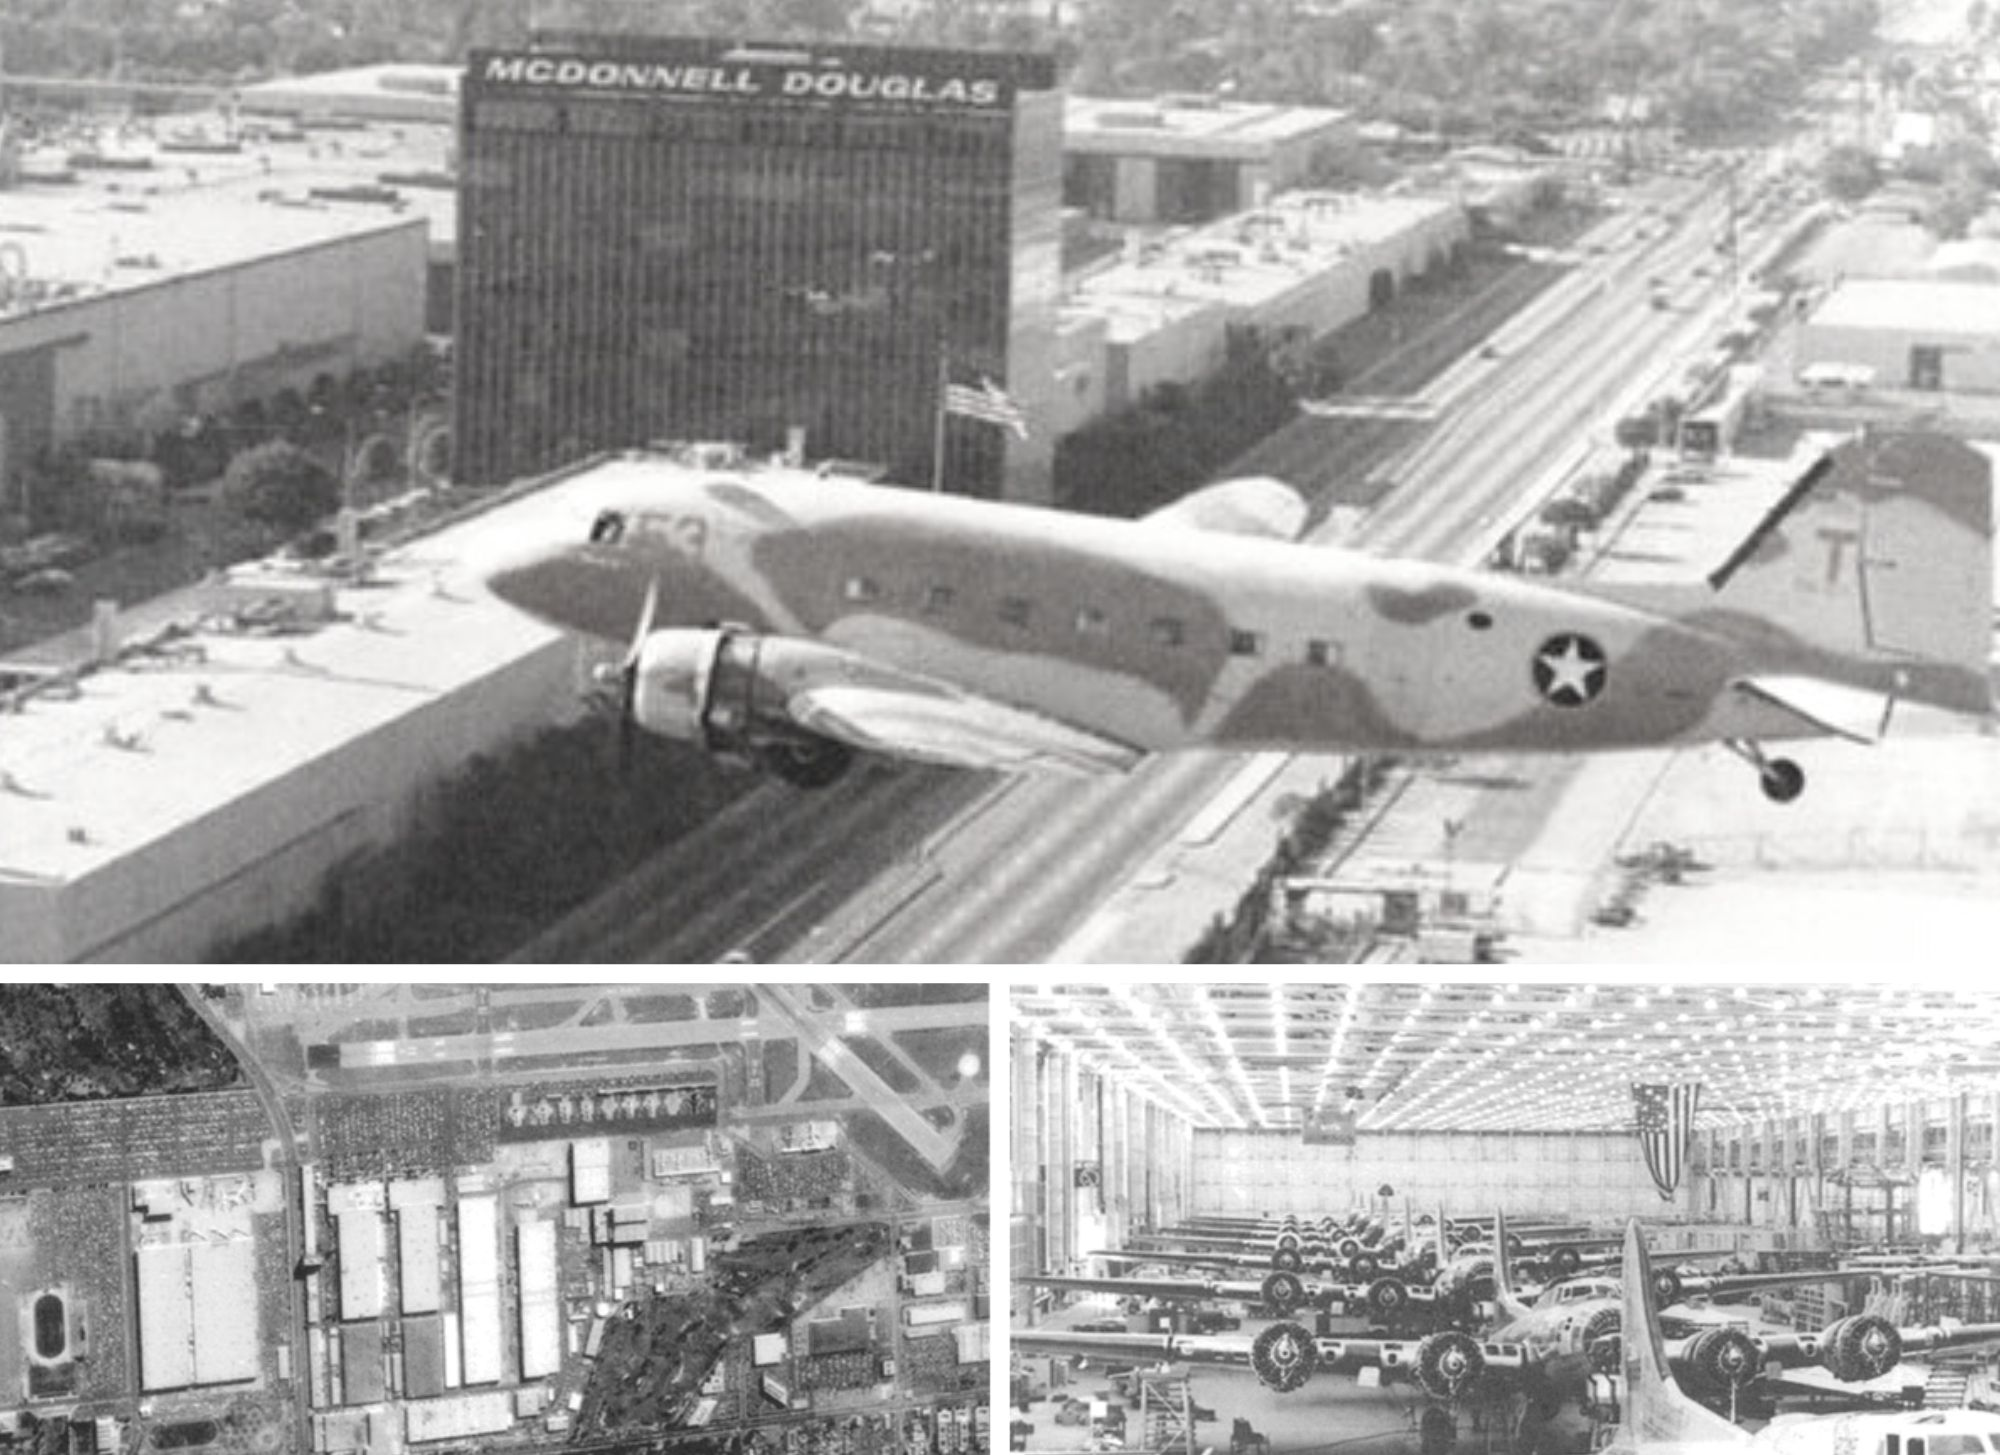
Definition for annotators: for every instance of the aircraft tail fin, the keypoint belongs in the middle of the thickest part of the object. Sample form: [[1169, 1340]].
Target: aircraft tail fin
[[1881, 551], [1654, 1408], [1511, 1307]]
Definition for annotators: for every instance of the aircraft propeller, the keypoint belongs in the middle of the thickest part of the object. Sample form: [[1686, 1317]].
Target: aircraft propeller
[[625, 677]]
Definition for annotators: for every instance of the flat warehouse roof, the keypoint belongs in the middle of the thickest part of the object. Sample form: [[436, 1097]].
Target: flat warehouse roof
[[417, 1257], [361, 1274], [1907, 306], [541, 1312], [363, 1378], [423, 1355], [479, 1290], [197, 1314], [458, 1416]]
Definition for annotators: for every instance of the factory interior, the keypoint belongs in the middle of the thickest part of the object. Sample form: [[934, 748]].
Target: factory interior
[[1391, 1218]]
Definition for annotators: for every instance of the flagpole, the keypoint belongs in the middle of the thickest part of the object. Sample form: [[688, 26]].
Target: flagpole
[[937, 433]]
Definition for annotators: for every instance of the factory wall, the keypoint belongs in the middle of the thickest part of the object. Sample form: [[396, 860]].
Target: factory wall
[[1581, 1175], [1091, 1160], [1923, 1168], [257, 858], [147, 355]]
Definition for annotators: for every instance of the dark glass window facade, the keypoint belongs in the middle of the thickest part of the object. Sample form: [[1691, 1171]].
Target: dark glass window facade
[[724, 258]]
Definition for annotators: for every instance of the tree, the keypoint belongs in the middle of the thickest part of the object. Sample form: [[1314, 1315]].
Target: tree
[[1849, 173], [280, 485]]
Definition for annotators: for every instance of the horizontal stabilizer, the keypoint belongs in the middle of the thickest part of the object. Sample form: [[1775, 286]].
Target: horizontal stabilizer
[[958, 730], [1824, 707], [1254, 505]]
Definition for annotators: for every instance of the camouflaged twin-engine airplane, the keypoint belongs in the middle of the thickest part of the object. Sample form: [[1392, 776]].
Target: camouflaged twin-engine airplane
[[791, 625]]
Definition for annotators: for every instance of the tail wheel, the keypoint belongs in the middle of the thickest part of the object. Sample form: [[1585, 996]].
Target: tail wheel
[[1600, 1340], [1724, 1359], [1565, 1261], [1864, 1347], [1448, 1365], [1284, 1357], [1287, 1260], [1386, 1297], [1666, 1286], [1283, 1293]]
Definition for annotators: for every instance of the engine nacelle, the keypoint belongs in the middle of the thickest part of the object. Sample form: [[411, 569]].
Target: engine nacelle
[[1865, 1346], [724, 689], [1284, 1357], [1448, 1364], [676, 668], [1283, 1293], [1722, 1360]]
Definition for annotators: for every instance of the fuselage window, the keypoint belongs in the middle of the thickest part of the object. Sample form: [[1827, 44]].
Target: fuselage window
[[938, 600], [861, 589], [1245, 643], [1322, 653], [1015, 610], [1169, 631], [608, 529], [1091, 622]]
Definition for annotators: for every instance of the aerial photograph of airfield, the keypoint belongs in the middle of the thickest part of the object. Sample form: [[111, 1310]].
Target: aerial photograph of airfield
[[348, 1218]]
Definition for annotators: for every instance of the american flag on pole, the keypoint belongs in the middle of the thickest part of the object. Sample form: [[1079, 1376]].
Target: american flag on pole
[[988, 402], [1665, 1116]]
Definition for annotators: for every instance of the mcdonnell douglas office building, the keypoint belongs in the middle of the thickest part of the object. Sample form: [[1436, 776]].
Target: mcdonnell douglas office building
[[696, 239]]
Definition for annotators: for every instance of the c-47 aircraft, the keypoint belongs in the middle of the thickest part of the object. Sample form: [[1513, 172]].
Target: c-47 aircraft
[[793, 624]]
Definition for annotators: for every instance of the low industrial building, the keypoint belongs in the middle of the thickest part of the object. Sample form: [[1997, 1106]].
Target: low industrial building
[[418, 1205], [363, 1371], [363, 1279], [1305, 263], [458, 1417], [1933, 335], [394, 91], [1191, 158], [130, 305], [197, 1313], [479, 1290], [541, 1305], [423, 1356]]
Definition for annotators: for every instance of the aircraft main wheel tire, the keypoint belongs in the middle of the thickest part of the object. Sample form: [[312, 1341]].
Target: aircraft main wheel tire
[[1782, 780], [818, 764]]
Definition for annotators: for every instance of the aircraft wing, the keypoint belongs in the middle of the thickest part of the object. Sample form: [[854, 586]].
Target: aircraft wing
[[1179, 1259], [1254, 505], [1148, 1287], [1823, 707], [953, 728], [1873, 1350], [1140, 1348]]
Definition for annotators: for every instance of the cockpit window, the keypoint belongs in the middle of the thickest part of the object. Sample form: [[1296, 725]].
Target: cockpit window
[[608, 529]]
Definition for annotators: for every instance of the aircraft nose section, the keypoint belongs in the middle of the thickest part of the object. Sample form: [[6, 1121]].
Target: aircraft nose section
[[527, 577]]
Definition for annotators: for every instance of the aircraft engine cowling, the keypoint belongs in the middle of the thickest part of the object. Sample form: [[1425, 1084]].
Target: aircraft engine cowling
[[1290, 1239], [1600, 1340], [1863, 1347], [1564, 1260], [722, 688], [676, 670], [1365, 1265], [1387, 1296], [1284, 1357], [1721, 1360], [1283, 1293], [1287, 1260], [1448, 1364], [1667, 1287], [1349, 1247]]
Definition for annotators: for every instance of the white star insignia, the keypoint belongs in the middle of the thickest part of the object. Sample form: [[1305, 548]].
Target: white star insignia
[[1574, 668]]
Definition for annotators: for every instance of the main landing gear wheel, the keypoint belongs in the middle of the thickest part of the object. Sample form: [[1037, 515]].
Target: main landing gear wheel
[[1781, 779]]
